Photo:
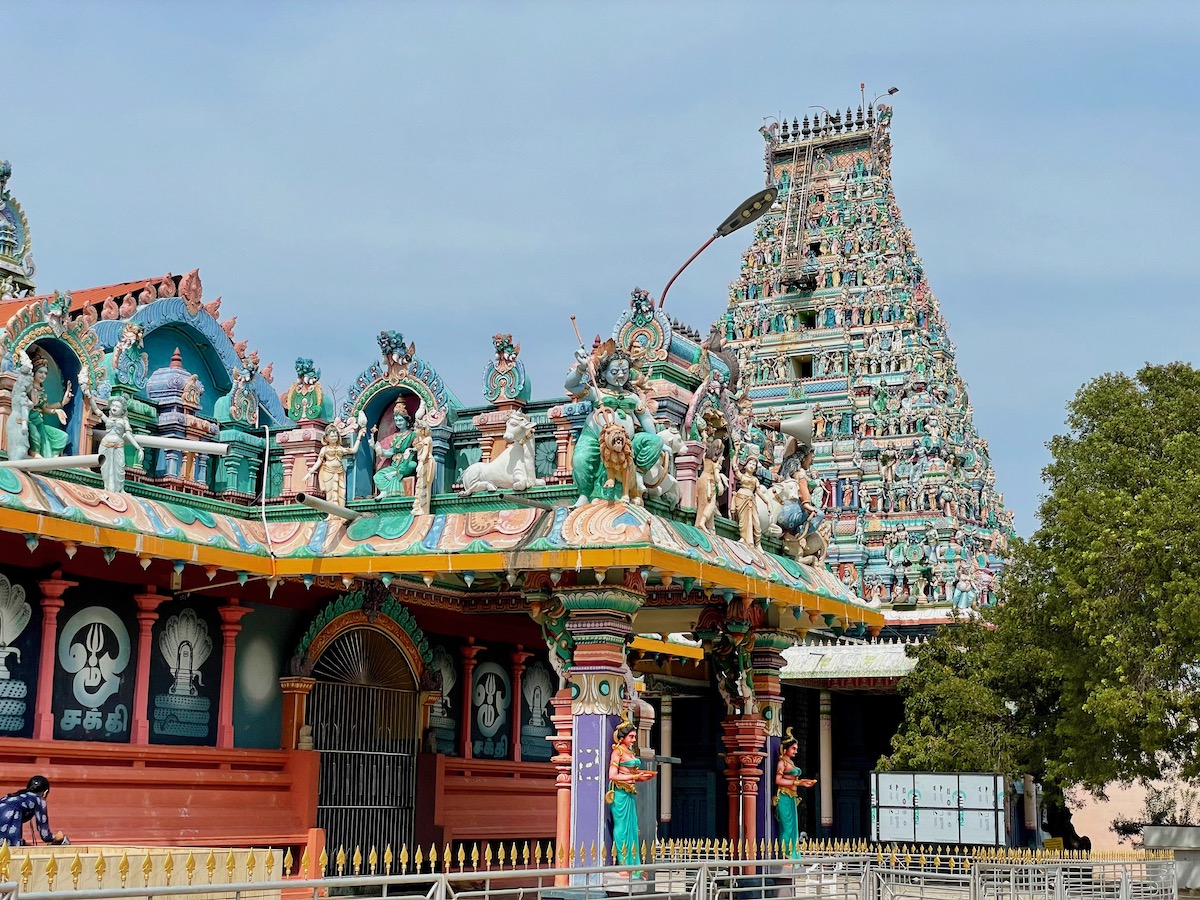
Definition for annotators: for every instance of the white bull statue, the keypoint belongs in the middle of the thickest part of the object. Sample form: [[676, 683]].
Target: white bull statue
[[514, 469], [659, 480]]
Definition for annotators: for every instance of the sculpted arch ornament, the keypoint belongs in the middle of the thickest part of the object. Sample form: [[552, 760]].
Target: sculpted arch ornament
[[399, 367], [47, 320], [206, 333], [371, 608]]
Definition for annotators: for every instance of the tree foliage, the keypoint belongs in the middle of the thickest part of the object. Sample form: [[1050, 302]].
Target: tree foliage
[[1090, 669]]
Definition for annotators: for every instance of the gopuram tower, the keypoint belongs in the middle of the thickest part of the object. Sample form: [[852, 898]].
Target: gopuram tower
[[833, 313]]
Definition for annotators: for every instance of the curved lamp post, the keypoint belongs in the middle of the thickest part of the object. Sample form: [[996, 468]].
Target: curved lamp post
[[751, 209], [890, 92]]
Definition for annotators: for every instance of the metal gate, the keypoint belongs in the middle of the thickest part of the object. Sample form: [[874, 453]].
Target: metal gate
[[364, 712]]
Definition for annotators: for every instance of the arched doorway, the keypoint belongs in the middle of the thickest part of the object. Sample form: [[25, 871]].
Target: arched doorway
[[365, 715]]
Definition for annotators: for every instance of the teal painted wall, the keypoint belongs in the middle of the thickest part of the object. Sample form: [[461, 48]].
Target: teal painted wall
[[269, 636]]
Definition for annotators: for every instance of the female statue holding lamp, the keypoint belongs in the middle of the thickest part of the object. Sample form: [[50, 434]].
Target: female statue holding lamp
[[624, 772]]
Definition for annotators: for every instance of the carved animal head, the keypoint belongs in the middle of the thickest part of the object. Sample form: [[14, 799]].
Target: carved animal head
[[518, 428], [786, 490], [672, 441]]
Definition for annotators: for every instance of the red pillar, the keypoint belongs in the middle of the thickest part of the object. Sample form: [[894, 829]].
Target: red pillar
[[43, 715], [469, 651], [147, 604], [562, 741], [518, 668], [231, 617], [745, 740]]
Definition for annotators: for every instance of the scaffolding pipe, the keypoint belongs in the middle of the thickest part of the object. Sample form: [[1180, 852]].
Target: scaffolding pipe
[[170, 443], [46, 464], [521, 501], [331, 509]]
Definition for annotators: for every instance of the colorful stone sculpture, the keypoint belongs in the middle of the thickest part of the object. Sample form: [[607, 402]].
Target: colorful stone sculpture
[[624, 773], [330, 467], [619, 438], [514, 469], [46, 439]]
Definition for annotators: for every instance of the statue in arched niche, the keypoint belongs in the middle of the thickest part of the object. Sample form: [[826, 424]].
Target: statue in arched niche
[[396, 454], [47, 439]]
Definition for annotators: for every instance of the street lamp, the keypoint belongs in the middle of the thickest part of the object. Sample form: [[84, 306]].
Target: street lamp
[[890, 92], [751, 209]]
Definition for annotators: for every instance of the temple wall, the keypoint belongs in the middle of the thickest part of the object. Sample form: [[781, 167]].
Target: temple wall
[[269, 635]]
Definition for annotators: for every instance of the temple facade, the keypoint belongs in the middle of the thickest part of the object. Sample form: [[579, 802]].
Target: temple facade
[[399, 617]]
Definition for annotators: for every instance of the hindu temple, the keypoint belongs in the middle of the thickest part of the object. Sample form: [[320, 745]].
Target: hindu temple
[[407, 617]]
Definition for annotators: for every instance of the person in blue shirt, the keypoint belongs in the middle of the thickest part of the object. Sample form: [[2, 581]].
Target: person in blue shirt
[[19, 807]]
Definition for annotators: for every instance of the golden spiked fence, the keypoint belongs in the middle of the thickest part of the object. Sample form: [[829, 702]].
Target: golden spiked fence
[[99, 868]]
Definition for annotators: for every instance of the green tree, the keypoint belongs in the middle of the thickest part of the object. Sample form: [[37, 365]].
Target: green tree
[[1092, 663]]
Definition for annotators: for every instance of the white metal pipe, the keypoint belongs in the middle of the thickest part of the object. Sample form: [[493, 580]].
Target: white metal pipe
[[332, 509], [169, 443], [666, 748], [43, 464]]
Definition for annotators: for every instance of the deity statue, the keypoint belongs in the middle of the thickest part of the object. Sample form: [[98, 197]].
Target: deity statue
[[965, 591], [619, 439], [400, 455], [745, 501], [426, 468], [624, 772], [118, 432], [711, 484], [46, 439], [330, 467], [787, 802], [17, 431], [802, 519]]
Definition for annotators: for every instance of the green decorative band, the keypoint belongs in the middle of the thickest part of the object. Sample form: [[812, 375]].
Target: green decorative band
[[354, 601]]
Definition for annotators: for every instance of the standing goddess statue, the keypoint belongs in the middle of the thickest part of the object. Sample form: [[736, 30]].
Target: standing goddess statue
[[17, 430], [118, 432], [330, 467], [745, 502], [787, 802], [624, 772]]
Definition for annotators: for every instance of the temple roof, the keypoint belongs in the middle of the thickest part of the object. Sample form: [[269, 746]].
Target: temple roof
[[848, 665], [81, 298], [441, 547]]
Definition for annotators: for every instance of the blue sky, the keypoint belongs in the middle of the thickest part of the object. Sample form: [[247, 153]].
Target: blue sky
[[452, 170]]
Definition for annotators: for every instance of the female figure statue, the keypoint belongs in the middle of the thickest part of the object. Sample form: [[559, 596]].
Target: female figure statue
[[46, 440], [118, 433], [400, 456], [22, 405], [745, 503], [617, 409], [330, 467], [425, 467], [787, 803], [624, 772]]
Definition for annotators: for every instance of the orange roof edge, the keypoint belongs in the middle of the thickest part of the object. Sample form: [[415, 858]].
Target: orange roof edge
[[84, 296]]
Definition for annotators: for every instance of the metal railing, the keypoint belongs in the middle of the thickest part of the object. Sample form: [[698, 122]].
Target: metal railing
[[694, 870]]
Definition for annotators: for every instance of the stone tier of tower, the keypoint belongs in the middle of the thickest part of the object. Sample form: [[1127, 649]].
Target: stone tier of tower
[[832, 312]]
